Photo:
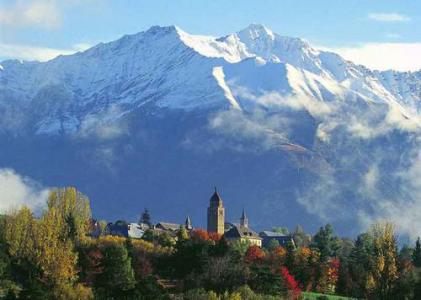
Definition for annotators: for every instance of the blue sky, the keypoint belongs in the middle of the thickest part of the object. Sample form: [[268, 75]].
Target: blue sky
[[359, 30]]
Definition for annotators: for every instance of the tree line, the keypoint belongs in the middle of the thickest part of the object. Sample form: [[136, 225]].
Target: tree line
[[53, 256]]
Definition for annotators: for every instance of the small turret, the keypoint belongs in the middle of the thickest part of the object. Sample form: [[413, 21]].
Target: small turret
[[244, 221]]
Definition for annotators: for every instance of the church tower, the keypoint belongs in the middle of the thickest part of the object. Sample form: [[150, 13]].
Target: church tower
[[187, 223], [244, 221], [216, 214]]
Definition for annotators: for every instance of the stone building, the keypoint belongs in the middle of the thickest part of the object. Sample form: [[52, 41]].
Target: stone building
[[242, 232], [282, 239], [216, 214]]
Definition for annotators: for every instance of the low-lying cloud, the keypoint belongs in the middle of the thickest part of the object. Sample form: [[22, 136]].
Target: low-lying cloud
[[372, 147], [17, 190], [31, 53], [105, 125]]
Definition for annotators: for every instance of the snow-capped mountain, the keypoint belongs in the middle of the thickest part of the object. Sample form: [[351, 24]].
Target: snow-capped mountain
[[168, 67], [252, 108]]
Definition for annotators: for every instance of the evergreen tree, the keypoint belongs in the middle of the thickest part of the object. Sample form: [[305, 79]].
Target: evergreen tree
[[416, 256], [146, 218], [282, 230], [117, 278], [272, 245], [360, 263], [290, 256], [301, 239], [148, 236], [326, 243]]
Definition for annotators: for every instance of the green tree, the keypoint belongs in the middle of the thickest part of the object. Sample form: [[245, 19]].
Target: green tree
[[182, 234], [165, 240], [145, 218], [240, 246], [222, 273], [148, 236], [301, 239], [272, 245], [416, 255], [148, 288], [8, 288], [283, 230], [117, 277], [326, 243], [355, 267]]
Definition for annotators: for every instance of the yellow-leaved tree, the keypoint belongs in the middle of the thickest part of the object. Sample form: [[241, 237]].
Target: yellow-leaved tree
[[73, 212], [49, 241], [384, 271], [20, 233]]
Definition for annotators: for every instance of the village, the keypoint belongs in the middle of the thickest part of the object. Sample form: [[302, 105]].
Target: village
[[170, 261], [216, 224]]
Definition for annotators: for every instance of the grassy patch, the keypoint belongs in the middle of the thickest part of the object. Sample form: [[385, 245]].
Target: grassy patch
[[316, 296]]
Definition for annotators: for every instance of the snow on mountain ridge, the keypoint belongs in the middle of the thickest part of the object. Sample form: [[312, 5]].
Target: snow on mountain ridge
[[171, 68]]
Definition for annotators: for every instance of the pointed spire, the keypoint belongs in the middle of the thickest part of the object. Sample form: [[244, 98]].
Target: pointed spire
[[216, 200], [244, 221], [188, 224]]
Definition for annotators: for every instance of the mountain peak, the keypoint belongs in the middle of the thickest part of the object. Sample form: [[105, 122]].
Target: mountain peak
[[255, 31], [162, 29]]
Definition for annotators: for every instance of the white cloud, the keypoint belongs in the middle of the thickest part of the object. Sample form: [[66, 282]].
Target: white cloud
[[404, 211], [26, 52], [25, 13], [265, 132], [383, 56], [389, 17], [17, 190], [105, 125]]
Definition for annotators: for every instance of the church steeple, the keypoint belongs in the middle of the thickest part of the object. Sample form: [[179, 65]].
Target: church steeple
[[188, 224], [216, 200], [216, 214], [244, 221]]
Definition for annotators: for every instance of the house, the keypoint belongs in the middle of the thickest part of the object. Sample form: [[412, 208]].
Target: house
[[135, 231], [124, 229], [242, 232], [283, 239], [172, 228]]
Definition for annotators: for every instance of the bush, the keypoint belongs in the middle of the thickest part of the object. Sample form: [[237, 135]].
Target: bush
[[246, 293], [200, 294]]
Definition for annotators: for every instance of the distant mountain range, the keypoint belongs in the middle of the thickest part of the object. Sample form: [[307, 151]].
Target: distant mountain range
[[155, 119]]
